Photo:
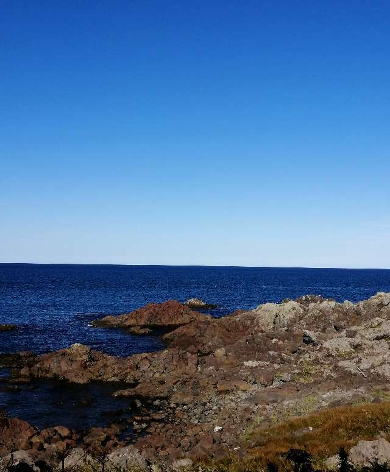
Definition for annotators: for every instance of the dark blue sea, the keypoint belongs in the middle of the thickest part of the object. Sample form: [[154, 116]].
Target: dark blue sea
[[53, 306]]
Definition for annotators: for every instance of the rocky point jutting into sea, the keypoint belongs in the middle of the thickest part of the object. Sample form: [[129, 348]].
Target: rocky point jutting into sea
[[218, 385]]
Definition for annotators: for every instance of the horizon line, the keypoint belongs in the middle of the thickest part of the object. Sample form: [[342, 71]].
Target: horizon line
[[193, 265]]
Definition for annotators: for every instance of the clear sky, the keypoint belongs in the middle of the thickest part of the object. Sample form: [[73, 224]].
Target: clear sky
[[209, 132]]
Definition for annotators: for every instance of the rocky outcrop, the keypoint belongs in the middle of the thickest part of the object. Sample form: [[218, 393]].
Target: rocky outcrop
[[17, 360], [197, 304], [217, 377], [153, 317]]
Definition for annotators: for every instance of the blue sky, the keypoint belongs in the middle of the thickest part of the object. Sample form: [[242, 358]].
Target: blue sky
[[195, 132]]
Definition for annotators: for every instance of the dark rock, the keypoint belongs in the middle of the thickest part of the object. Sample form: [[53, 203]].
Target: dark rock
[[8, 327], [309, 337]]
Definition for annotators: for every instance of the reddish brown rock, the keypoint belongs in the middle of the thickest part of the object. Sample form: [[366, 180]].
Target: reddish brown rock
[[97, 435], [63, 431], [80, 364], [153, 316], [207, 335], [15, 434]]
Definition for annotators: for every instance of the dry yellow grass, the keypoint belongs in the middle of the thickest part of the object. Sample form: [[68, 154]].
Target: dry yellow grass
[[331, 429]]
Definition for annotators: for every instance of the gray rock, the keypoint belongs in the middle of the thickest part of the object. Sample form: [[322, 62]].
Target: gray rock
[[339, 344], [181, 464], [332, 463], [366, 453], [79, 459], [196, 303], [18, 457], [125, 458], [272, 316]]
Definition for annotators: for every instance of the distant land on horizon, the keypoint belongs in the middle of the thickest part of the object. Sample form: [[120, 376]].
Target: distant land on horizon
[[190, 265]]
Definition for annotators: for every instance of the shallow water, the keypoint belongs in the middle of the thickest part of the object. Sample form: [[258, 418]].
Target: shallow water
[[45, 403]]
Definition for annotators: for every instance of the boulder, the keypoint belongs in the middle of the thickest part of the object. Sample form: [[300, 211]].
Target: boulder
[[366, 453], [332, 463], [63, 431], [276, 316], [18, 458], [78, 459], [197, 304], [125, 458], [96, 435], [181, 464], [15, 433]]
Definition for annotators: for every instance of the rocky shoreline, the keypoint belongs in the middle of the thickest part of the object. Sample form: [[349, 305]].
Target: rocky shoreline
[[217, 384]]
